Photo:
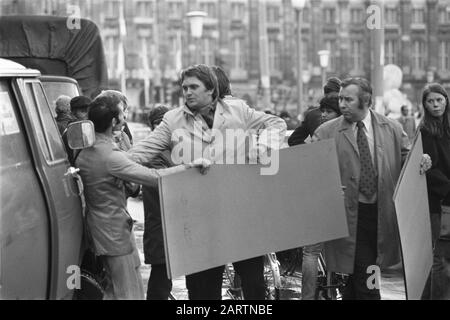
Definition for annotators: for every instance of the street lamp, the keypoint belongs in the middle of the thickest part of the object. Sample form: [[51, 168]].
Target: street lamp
[[196, 19], [298, 5], [324, 56]]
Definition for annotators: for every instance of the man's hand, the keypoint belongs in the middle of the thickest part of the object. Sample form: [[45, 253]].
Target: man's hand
[[201, 163], [425, 163]]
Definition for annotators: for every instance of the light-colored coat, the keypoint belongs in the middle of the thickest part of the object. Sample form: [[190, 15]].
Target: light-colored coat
[[188, 137], [391, 150]]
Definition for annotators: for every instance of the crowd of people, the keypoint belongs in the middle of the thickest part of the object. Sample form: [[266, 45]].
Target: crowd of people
[[371, 151]]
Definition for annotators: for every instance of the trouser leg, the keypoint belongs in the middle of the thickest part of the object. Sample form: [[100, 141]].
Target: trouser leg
[[251, 272], [359, 285], [205, 285], [159, 285], [309, 270]]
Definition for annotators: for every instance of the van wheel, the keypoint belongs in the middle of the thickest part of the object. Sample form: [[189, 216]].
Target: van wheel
[[90, 288]]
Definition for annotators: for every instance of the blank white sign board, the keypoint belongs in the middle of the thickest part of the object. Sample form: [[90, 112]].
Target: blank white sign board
[[234, 213], [413, 216]]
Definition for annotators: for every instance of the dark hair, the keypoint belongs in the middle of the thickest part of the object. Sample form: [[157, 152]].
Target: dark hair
[[223, 82], [432, 124], [205, 74], [333, 85], [156, 115], [284, 114], [101, 112], [365, 90], [331, 102], [116, 96], [79, 103]]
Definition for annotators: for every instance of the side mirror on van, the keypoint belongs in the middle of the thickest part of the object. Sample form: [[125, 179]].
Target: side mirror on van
[[81, 134]]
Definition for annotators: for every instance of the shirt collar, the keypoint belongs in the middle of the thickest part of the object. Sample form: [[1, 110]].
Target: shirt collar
[[367, 122], [204, 111]]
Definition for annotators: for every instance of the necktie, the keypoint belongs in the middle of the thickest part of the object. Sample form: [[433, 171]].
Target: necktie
[[368, 177]]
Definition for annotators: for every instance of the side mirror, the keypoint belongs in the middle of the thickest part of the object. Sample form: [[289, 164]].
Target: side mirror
[[81, 134]]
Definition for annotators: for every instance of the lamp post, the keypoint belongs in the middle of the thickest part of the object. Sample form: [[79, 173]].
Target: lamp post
[[298, 5], [324, 56], [196, 19]]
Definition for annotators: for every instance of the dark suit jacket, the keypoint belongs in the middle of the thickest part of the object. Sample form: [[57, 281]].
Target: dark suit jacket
[[313, 119], [153, 232]]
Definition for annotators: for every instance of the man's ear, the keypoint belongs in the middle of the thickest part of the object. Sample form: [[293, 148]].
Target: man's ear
[[114, 122]]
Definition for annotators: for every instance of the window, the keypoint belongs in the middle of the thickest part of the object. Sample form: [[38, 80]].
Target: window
[[306, 15], [41, 116], [209, 8], [208, 51], [391, 15], [330, 45], [111, 47], [329, 15], [444, 15], [418, 15], [237, 11], [175, 10], [444, 55], [356, 55], [273, 14], [391, 52], [356, 16], [145, 9], [237, 54], [274, 55], [418, 55], [146, 52], [112, 8]]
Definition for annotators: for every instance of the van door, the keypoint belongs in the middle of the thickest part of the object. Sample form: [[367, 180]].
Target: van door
[[24, 220], [62, 194]]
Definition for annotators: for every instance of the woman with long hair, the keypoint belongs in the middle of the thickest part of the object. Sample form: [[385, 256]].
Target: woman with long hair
[[435, 129]]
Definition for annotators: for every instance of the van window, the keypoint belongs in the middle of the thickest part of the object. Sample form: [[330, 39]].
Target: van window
[[48, 134], [11, 140], [54, 89]]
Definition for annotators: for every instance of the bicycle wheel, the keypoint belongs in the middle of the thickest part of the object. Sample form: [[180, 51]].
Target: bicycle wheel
[[232, 282], [330, 285], [291, 273], [272, 278]]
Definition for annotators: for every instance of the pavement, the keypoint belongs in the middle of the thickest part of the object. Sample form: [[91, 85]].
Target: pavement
[[392, 284]]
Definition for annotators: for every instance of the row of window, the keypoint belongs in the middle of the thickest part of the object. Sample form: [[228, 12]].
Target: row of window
[[238, 53], [238, 10]]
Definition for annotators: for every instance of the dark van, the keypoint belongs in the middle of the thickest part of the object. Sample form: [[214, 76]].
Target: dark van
[[41, 225]]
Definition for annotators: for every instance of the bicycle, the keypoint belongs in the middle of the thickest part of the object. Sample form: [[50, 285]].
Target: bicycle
[[272, 279]]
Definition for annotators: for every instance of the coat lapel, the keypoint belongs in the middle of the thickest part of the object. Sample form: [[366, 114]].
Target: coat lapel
[[219, 119], [346, 128], [378, 130]]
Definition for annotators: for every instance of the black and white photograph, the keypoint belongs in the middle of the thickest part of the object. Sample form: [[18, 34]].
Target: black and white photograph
[[225, 153]]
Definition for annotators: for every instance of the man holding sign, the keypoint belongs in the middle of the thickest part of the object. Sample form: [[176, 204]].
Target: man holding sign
[[371, 150], [219, 131]]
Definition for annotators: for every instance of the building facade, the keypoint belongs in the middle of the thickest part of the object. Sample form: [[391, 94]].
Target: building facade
[[157, 43]]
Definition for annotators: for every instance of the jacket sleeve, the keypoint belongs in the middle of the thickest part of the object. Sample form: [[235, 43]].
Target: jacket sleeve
[[272, 129], [155, 143], [299, 135], [437, 182], [120, 166]]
